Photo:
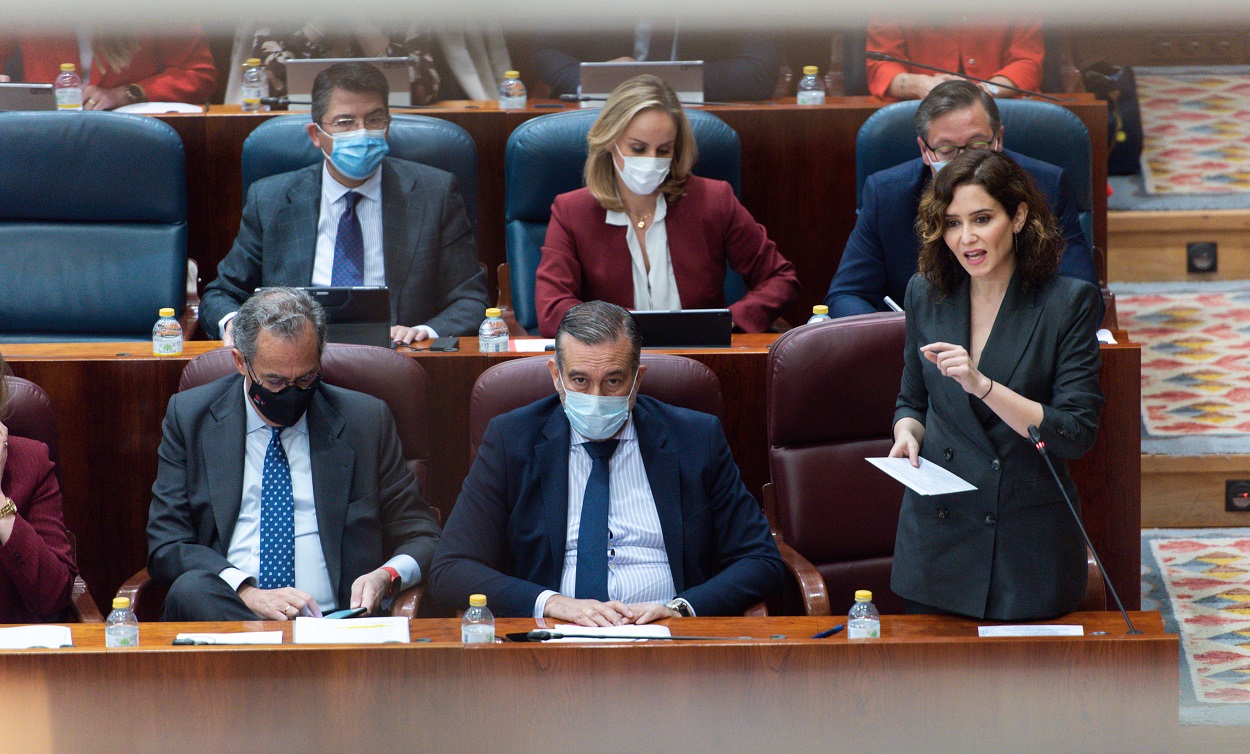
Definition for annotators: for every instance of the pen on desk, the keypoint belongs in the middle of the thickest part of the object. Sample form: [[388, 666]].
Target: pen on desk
[[829, 631], [893, 306]]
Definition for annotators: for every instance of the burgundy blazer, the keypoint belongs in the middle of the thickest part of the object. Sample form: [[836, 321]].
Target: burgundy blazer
[[585, 259], [36, 570]]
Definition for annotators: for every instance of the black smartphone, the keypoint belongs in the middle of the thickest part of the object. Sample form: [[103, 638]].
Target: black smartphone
[[351, 612], [450, 343]]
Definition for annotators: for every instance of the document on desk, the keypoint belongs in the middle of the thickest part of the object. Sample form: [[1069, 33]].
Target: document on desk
[[384, 630], [929, 479], [238, 637], [608, 633], [530, 345], [36, 637], [1035, 630]]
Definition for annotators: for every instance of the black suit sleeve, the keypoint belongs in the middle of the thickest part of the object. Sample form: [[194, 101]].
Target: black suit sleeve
[[557, 66], [239, 274], [1070, 420], [749, 75], [462, 282], [408, 525], [913, 394], [858, 287]]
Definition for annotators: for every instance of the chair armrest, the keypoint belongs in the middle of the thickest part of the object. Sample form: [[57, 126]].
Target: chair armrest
[[408, 602], [811, 583], [147, 598], [190, 319], [82, 608], [758, 610], [1095, 589], [504, 297]]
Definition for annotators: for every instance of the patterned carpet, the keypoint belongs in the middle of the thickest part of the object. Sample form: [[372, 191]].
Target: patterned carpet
[[1196, 127], [1199, 579], [1195, 356]]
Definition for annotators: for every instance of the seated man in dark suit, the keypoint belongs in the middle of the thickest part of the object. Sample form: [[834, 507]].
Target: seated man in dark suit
[[358, 218], [598, 506], [880, 256], [277, 495]]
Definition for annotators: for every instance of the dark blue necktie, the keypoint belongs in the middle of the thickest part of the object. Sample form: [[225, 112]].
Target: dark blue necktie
[[592, 535], [277, 518], [349, 246]]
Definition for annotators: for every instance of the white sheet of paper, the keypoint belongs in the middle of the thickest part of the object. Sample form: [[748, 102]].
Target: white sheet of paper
[[1035, 630], [609, 632], [384, 630], [1105, 336], [30, 637], [929, 479], [157, 108], [530, 345], [240, 637]]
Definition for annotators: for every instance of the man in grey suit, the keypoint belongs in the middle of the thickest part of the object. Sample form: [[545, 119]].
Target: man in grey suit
[[276, 495], [358, 218]]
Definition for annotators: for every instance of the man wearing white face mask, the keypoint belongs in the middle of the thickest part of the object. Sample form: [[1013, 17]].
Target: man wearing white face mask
[[598, 506], [358, 217], [880, 256]]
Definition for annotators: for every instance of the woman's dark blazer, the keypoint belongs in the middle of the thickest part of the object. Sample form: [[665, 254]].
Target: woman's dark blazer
[[1009, 550]]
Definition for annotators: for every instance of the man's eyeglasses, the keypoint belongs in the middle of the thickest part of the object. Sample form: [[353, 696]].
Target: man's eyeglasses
[[950, 153], [278, 385], [343, 125]]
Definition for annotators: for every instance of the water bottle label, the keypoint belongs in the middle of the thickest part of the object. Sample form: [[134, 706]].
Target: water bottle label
[[68, 99], [811, 98], [166, 346], [512, 103], [866, 630]]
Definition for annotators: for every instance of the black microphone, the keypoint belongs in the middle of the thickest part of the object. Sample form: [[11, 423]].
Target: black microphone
[[544, 635], [881, 56], [1036, 437]]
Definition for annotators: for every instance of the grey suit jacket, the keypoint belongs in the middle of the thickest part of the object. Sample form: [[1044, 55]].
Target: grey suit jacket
[[428, 245], [369, 508], [1010, 550]]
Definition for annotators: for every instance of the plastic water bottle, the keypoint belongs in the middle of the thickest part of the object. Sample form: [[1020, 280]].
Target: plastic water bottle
[[512, 94], [478, 624], [820, 313], [492, 336], [254, 85], [167, 335], [121, 628], [863, 622], [68, 88], [811, 90]]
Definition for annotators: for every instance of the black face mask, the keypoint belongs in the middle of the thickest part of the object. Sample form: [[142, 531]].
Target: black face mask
[[284, 407]]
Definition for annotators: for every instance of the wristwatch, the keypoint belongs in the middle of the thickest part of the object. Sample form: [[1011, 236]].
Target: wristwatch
[[136, 93], [396, 580], [681, 607], [8, 508]]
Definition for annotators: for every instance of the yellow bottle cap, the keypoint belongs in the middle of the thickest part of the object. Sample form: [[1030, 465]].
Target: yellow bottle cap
[[820, 309], [477, 600], [512, 74], [121, 603], [493, 312], [252, 61], [810, 70], [863, 595], [68, 67], [167, 312]]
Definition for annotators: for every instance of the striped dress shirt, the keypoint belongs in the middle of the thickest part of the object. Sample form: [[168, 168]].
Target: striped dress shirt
[[368, 209]]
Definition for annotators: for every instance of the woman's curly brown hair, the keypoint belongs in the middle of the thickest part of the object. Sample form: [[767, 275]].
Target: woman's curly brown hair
[[1038, 245]]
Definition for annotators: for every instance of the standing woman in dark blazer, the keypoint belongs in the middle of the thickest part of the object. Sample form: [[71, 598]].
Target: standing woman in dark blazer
[[36, 571], [646, 234], [996, 341]]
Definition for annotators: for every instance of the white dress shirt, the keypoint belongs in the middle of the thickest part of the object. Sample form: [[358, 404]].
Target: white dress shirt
[[638, 568], [657, 289], [311, 574]]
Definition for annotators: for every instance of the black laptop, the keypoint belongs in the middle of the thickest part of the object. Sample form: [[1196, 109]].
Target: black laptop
[[686, 328], [356, 314]]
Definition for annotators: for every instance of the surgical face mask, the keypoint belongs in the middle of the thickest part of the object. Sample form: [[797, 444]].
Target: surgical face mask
[[284, 407], [597, 417], [937, 165], [643, 175], [358, 153]]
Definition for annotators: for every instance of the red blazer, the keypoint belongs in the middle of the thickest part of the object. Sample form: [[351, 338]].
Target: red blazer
[[169, 68], [1012, 50], [585, 259], [36, 570]]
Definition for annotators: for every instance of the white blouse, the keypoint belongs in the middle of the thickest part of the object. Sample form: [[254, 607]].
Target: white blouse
[[656, 290]]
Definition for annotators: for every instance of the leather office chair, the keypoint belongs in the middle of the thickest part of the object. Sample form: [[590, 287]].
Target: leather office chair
[[831, 389], [380, 372], [675, 380], [30, 415], [545, 157], [93, 226], [1041, 130], [281, 144]]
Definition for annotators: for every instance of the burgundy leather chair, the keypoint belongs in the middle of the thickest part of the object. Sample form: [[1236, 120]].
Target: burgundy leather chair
[[675, 380], [398, 380], [30, 415], [831, 390]]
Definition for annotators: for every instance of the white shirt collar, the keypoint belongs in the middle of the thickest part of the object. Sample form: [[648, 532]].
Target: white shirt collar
[[334, 191], [255, 423], [620, 218]]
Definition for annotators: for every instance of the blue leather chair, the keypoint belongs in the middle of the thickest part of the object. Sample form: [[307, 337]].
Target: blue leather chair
[[545, 157], [281, 144], [93, 225], [1041, 130]]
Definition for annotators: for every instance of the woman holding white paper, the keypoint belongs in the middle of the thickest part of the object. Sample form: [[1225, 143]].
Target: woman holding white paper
[[996, 342]]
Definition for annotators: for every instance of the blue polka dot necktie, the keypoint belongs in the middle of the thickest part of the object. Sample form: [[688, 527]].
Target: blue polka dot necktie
[[349, 245], [277, 518], [592, 533]]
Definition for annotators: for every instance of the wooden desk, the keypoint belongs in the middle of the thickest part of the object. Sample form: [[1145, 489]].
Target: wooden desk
[[798, 175], [110, 400], [929, 684]]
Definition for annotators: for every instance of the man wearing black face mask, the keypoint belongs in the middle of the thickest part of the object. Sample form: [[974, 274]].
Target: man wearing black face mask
[[271, 537]]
